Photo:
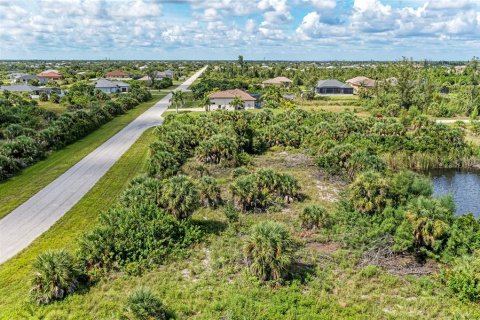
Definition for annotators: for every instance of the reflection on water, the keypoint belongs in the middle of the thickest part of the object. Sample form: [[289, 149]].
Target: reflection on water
[[464, 185]]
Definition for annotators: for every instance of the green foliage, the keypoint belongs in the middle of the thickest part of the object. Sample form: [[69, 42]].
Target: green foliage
[[313, 217], [127, 238], [210, 193], [142, 191], [142, 304], [269, 251], [180, 196], [231, 213], [218, 148], [55, 276], [262, 189], [463, 278], [426, 225]]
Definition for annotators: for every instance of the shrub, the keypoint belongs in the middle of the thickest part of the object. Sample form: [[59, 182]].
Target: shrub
[[180, 197], [262, 189], [136, 236], [55, 276], [218, 149], [142, 304], [269, 251], [142, 190], [209, 191], [464, 278], [163, 164], [231, 213], [313, 217]]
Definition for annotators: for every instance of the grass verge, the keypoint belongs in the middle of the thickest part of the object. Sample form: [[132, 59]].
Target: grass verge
[[26, 183], [15, 273]]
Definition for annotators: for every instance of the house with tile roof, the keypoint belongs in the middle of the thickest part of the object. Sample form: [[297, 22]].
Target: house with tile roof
[[361, 82], [278, 81], [332, 86], [116, 74], [108, 86], [222, 99]]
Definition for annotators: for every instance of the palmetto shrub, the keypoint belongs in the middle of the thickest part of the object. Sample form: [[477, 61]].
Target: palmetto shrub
[[142, 190], [142, 304], [269, 251], [314, 216], [219, 148], [55, 276], [180, 196], [264, 188], [210, 194]]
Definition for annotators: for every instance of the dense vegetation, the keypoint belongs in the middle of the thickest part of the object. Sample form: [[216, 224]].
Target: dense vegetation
[[28, 133], [384, 208]]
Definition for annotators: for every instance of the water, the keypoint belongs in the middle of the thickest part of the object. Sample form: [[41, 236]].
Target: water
[[464, 185]]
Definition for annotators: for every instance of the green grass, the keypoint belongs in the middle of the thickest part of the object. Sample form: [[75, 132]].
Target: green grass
[[50, 106], [15, 273], [24, 185], [212, 282]]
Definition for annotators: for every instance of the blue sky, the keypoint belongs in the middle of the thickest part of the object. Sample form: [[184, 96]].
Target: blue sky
[[223, 29]]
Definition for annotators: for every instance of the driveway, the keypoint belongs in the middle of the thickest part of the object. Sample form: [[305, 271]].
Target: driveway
[[35, 216]]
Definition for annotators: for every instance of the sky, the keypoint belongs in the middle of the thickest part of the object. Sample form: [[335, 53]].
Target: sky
[[223, 29]]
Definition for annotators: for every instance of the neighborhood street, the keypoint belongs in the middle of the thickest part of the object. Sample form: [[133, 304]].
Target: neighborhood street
[[27, 222]]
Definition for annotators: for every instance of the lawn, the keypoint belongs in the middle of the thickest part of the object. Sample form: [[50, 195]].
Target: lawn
[[15, 273], [21, 187], [212, 282]]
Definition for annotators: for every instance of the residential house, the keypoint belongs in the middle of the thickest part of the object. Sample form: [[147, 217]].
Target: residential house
[[26, 78], [32, 90], [165, 74], [116, 74], [332, 86], [108, 86], [278, 81], [50, 75], [361, 82], [222, 99]]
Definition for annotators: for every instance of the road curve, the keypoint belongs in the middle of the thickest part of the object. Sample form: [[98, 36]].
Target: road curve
[[35, 216]]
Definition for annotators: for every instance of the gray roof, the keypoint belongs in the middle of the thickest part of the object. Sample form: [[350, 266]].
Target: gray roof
[[28, 77], [332, 83], [104, 83], [19, 88]]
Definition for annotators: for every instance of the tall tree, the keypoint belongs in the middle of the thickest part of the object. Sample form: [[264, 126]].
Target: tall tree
[[178, 98]]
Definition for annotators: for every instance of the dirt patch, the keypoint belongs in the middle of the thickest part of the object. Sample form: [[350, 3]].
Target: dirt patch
[[328, 247], [295, 160]]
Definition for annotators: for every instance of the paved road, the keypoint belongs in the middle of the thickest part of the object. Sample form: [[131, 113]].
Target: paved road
[[27, 222]]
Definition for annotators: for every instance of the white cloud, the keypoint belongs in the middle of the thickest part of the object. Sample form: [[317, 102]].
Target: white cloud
[[322, 4]]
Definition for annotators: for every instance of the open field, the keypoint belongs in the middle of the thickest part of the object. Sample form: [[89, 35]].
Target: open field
[[212, 282], [19, 188], [50, 106], [15, 273]]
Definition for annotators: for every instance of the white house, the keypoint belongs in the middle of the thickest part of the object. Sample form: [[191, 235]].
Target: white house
[[108, 86], [223, 99]]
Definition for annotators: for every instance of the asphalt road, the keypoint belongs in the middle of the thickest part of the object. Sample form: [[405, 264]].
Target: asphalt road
[[35, 216]]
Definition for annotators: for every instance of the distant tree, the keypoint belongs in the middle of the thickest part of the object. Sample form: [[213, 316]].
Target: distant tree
[[177, 99], [43, 96], [207, 103], [54, 97], [151, 74]]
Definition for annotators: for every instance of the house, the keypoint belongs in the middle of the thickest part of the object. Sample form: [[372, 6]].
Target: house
[[332, 86], [224, 98], [278, 81], [165, 74], [50, 75], [108, 86], [116, 74], [361, 82], [32, 90], [159, 75], [26, 78]]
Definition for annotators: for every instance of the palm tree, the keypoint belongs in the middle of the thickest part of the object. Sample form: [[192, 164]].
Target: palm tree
[[237, 103], [178, 98], [180, 197], [207, 103], [269, 251], [55, 276]]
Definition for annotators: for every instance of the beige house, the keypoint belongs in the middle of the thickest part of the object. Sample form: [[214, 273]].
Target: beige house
[[222, 99], [361, 82], [278, 81]]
